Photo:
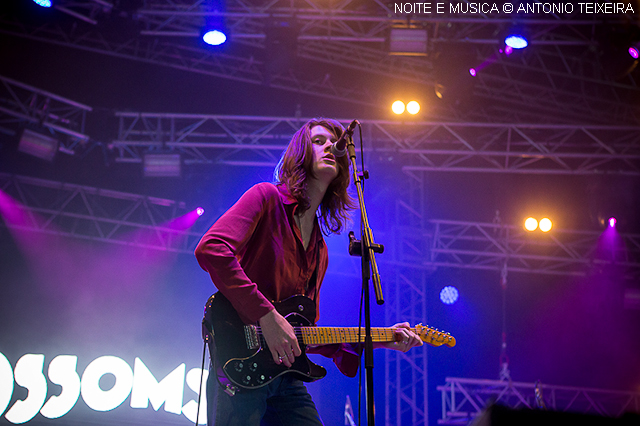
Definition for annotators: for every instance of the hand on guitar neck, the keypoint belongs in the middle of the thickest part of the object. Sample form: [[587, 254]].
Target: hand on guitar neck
[[405, 339], [280, 337]]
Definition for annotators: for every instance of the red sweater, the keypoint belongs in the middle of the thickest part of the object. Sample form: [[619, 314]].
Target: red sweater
[[255, 255]]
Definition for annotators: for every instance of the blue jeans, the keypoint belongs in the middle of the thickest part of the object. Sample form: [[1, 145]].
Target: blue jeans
[[283, 402]]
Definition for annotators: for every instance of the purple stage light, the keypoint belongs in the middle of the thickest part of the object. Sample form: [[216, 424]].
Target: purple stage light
[[508, 50], [472, 71], [14, 213], [612, 222], [633, 51], [449, 295], [185, 221]]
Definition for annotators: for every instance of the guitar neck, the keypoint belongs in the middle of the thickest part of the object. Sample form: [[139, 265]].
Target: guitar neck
[[329, 335]]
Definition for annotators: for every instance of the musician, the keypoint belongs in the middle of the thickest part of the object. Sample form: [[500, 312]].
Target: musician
[[270, 246]]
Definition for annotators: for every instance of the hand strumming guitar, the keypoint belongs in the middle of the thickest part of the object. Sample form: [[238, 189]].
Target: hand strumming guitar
[[280, 338]]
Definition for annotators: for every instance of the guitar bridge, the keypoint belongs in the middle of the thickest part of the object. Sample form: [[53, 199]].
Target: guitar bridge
[[251, 336]]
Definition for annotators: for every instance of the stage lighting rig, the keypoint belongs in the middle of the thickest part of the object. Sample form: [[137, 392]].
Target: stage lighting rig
[[43, 3], [544, 225], [408, 42], [516, 41], [38, 145], [162, 165], [214, 37], [399, 107]]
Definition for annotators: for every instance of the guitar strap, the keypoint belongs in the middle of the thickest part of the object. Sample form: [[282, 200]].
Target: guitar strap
[[314, 277]]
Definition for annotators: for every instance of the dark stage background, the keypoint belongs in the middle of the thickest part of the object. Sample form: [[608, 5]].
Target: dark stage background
[[63, 296]]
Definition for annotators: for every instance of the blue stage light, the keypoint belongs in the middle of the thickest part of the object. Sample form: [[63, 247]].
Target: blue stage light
[[214, 37], [516, 41], [449, 295], [43, 3]]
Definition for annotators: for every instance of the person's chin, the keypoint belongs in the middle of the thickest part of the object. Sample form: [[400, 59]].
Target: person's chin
[[329, 172]]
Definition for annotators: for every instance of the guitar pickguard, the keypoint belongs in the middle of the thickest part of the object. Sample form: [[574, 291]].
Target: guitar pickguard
[[250, 365]]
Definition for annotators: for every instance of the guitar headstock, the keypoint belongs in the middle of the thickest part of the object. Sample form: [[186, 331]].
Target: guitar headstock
[[434, 337]]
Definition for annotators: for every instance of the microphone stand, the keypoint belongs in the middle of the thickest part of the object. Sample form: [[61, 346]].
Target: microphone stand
[[366, 249]]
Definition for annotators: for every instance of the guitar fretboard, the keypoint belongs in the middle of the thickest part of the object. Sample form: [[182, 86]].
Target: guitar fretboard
[[329, 335]]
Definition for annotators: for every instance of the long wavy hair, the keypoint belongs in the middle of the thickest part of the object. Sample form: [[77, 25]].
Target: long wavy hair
[[295, 168]]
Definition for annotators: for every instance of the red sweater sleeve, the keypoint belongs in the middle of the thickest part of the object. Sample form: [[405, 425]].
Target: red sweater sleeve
[[345, 356], [217, 250]]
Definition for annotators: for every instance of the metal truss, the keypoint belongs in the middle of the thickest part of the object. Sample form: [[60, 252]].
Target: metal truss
[[89, 213], [562, 70], [115, 217], [122, 40], [406, 374], [491, 246], [560, 78], [465, 399], [86, 11], [420, 146], [24, 104]]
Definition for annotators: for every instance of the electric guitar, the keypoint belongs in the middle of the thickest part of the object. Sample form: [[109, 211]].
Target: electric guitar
[[243, 359]]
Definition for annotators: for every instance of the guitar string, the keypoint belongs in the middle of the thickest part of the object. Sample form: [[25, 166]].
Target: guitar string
[[348, 335]]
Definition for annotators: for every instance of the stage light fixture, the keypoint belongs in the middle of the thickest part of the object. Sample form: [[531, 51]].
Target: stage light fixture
[[397, 107], [38, 145], [612, 222], [530, 224], [200, 211], [508, 50], [214, 37], [473, 72], [413, 107], [545, 224], [516, 41], [43, 3], [449, 295], [408, 42], [162, 165], [634, 50]]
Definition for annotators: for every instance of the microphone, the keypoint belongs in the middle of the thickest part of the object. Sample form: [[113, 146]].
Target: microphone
[[338, 148]]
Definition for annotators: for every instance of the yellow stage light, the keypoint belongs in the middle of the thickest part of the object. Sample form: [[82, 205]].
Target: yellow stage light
[[530, 224], [413, 107], [545, 224], [397, 107]]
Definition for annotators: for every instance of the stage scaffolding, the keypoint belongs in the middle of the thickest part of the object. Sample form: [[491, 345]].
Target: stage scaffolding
[[564, 69], [415, 146], [416, 245], [464, 399]]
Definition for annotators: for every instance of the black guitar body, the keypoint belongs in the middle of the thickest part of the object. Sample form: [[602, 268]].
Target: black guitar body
[[241, 355]]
